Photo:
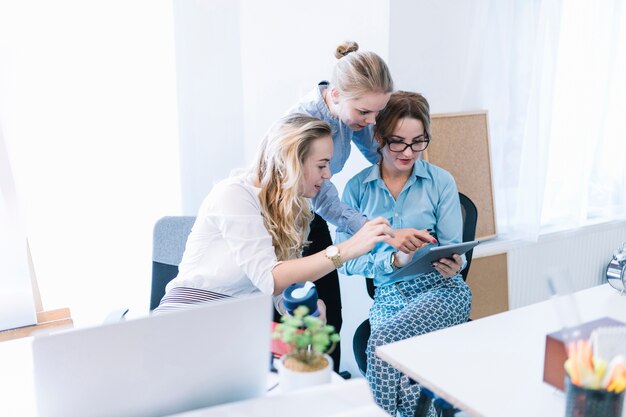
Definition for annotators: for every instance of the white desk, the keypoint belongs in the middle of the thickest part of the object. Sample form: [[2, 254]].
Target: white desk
[[340, 398], [16, 378], [349, 399], [493, 367]]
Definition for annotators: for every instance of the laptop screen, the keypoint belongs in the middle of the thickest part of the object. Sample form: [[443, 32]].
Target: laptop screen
[[152, 366]]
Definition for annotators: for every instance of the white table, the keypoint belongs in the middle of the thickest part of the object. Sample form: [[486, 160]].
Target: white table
[[349, 399], [16, 379], [339, 398], [493, 367]]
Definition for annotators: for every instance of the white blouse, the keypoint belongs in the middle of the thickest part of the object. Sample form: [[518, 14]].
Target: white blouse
[[229, 250]]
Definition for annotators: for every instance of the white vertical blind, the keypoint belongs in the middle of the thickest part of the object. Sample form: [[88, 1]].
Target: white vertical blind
[[17, 304], [586, 178], [89, 110], [551, 76]]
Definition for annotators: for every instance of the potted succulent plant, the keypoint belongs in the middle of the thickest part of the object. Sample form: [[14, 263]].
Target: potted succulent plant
[[310, 340]]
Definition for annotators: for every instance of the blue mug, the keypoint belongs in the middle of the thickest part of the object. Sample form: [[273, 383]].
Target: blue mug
[[302, 293]]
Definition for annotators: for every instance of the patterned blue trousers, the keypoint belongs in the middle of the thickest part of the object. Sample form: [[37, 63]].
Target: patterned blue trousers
[[403, 310]]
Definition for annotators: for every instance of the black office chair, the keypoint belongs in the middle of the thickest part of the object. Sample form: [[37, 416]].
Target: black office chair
[[168, 244], [362, 333], [470, 217]]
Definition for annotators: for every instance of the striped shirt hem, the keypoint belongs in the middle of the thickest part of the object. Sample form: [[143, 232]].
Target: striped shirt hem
[[182, 298]]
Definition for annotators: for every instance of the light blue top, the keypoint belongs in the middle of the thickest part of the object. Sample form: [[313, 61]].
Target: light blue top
[[429, 200], [327, 203]]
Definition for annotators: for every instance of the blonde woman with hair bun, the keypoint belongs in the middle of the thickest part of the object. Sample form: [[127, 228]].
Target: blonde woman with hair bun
[[252, 227], [359, 88]]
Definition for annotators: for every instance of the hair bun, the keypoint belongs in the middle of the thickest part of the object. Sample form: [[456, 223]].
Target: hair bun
[[346, 48]]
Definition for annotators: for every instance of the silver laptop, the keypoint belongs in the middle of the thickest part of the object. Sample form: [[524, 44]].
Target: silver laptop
[[158, 365]]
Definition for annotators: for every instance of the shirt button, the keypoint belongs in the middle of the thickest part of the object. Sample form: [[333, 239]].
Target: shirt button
[[396, 214]]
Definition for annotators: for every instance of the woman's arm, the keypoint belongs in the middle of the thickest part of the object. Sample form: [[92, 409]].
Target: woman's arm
[[235, 210], [376, 262], [313, 267], [327, 204], [349, 220]]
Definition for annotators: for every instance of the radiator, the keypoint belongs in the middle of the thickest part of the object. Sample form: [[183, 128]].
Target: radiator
[[580, 255]]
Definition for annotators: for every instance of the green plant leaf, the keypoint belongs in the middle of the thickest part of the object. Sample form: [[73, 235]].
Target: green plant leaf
[[307, 335], [293, 322], [313, 322], [320, 342], [303, 340], [301, 311]]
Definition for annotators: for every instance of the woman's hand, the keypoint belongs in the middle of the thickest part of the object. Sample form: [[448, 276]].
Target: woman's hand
[[363, 241], [409, 240], [401, 259], [449, 267], [321, 308]]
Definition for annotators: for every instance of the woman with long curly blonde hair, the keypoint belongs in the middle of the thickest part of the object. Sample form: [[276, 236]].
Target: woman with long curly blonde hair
[[286, 211], [251, 228]]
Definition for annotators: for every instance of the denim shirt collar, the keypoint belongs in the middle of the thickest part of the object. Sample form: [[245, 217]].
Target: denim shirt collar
[[320, 104]]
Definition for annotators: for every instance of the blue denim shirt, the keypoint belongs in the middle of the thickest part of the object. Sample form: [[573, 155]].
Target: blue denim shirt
[[327, 203], [429, 200]]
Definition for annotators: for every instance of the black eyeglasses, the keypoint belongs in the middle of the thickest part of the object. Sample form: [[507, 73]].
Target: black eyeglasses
[[417, 145]]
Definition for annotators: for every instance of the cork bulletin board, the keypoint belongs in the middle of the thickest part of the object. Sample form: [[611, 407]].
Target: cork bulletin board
[[460, 145]]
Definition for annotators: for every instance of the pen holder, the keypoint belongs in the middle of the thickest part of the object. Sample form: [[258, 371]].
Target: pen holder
[[587, 402], [556, 354]]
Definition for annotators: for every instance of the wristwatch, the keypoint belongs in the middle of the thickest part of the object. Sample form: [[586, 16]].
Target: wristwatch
[[332, 253], [393, 261]]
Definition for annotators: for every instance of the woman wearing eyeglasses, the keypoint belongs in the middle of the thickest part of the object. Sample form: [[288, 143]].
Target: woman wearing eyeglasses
[[358, 90], [415, 194]]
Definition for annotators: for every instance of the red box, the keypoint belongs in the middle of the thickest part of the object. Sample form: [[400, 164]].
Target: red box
[[555, 356]]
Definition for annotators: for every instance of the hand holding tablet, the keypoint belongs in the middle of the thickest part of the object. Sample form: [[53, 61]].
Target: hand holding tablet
[[403, 259], [423, 258]]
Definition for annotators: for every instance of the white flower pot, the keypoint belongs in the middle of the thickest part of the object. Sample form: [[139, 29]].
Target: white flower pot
[[290, 380]]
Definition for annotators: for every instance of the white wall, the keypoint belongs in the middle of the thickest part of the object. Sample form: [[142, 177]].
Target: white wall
[[242, 64], [210, 95], [428, 51], [288, 47]]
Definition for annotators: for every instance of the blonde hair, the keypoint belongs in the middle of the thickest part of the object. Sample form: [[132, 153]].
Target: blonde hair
[[357, 73], [286, 212]]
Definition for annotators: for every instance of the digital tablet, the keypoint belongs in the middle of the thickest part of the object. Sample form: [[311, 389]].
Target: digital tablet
[[423, 258]]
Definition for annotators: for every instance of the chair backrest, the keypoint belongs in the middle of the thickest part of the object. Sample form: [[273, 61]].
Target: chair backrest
[[168, 244], [470, 217]]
